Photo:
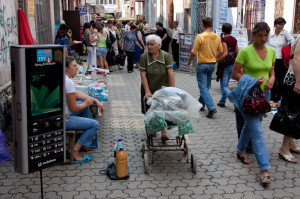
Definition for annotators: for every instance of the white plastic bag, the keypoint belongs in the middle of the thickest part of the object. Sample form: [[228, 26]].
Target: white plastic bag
[[172, 104]]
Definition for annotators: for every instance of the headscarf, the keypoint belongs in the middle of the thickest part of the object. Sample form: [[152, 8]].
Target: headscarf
[[62, 31], [140, 26]]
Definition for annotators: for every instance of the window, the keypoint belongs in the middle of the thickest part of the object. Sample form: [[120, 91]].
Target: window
[[232, 3]]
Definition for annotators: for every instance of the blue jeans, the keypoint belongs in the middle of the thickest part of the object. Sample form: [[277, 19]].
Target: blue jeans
[[82, 121], [204, 75], [252, 130], [224, 83]]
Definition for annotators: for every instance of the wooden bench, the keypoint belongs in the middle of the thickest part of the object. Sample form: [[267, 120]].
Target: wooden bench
[[72, 141]]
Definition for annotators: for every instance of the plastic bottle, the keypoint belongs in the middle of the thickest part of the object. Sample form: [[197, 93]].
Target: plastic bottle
[[119, 145], [121, 163], [115, 148]]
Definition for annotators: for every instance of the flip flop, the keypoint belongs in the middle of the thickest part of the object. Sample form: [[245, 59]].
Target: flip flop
[[85, 159]]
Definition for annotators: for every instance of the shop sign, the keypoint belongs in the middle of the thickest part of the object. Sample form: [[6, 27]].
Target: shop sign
[[31, 10], [82, 11], [91, 2]]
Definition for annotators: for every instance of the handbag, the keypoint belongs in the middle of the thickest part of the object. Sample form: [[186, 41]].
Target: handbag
[[230, 57], [108, 42], [286, 122], [289, 78], [255, 103]]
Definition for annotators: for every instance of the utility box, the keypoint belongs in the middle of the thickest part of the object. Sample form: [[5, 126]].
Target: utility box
[[38, 73]]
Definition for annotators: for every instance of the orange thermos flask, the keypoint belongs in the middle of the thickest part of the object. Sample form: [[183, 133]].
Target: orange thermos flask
[[121, 163]]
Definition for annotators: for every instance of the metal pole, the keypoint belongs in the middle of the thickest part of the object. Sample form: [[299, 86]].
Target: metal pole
[[239, 15], [41, 178]]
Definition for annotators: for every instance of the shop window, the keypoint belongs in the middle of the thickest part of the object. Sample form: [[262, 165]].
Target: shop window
[[232, 3]]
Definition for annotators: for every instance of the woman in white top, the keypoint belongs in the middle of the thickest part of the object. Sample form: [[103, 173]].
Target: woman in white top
[[78, 115], [278, 39]]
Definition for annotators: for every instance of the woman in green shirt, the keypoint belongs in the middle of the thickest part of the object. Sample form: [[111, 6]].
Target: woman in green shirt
[[156, 71], [101, 50], [257, 60]]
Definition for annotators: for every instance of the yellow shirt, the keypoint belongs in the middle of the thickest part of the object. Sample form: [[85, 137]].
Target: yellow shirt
[[206, 45]]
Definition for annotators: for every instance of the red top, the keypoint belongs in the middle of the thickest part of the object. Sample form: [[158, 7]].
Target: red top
[[80, 35], [232, 42]]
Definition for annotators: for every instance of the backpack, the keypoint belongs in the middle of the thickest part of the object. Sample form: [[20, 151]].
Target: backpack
[[230, 57], [286, 55]]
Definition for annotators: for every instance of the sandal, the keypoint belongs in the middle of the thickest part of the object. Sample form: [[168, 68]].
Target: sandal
[[85, 159], [243, 158], [295, 150], [288, 158], [265, 180]]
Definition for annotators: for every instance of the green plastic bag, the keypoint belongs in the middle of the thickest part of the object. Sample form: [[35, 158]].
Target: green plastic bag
[[155, 125], [185, 128]]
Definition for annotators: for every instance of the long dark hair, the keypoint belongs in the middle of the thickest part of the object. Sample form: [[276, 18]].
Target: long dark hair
[[62, 31]]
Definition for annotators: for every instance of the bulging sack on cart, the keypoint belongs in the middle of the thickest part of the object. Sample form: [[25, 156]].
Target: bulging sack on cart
[[175, 104]]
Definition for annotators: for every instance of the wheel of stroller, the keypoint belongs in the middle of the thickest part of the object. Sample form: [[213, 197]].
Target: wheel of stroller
[[185, 150], [194, 163], [143, 150], [146, 163]]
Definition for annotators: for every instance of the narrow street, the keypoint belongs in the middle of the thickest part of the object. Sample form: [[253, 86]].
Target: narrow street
[[219, 173]]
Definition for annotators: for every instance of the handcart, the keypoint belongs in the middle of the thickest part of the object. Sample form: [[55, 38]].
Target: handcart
[[153, 145]]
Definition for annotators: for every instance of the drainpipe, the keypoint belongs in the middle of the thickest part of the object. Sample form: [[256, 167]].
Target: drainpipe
[[146, 11], [194, 15], [216, 14]]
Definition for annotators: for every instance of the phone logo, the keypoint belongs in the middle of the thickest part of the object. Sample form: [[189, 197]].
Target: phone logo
[[44, 55]]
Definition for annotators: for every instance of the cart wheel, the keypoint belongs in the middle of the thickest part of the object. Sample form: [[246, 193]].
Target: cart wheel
[[146, 163], [194, 163], [143, 150], [185, 150], [177, 140]]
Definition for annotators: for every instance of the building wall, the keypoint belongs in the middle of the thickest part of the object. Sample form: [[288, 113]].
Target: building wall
[[285, 9], [289, 14], [8, 36], [297, 18]]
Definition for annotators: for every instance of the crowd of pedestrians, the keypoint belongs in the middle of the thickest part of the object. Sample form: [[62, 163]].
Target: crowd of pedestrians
[[257, 66]]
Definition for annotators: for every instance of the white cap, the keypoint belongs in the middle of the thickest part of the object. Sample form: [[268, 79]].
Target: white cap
[[105, 21]]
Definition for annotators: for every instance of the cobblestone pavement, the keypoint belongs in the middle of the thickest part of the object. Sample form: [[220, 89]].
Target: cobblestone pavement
[[219, 173]]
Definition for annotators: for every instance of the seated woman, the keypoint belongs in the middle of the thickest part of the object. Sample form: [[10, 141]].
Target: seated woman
[[78, 115]]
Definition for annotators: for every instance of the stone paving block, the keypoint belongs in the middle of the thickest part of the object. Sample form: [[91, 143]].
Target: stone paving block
[[251, 195], [51, 195], [101, 194], [182, 191], [68, 194], [265, 193], [117, 194], [166, 191], [117, 186], [199, 190], [147, 184], [84, 194], [212, 190], [177, 183], [133, 193], [233, 196], [150, 192], [69, 187], [6, 196], [202, 196]]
